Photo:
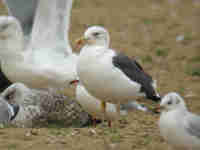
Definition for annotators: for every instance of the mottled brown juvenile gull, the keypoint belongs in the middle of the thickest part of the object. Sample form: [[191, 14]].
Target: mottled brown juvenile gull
[[38, 107], [8, 111]]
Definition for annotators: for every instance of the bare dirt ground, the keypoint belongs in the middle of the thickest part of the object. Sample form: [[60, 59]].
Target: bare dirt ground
[[164, 36]]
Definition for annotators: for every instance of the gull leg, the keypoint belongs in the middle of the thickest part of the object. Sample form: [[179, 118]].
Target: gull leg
[[118, 111], [94, 121], [103, 108], [109, 123]]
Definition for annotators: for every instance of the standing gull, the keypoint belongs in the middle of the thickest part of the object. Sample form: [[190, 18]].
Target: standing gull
[[109, 76], [92, 105], [179, 127]]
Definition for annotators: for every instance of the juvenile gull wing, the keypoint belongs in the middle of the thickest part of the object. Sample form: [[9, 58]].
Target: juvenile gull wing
[[24, 11], [5, 113]]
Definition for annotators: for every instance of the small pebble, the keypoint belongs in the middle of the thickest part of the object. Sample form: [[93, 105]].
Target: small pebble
[[35, 131], [180, 38], [92, 132], [28, 134]]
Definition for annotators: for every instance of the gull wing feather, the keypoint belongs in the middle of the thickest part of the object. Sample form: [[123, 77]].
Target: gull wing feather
[[51, 25], [134, 71], [192, 125], [24, 11]]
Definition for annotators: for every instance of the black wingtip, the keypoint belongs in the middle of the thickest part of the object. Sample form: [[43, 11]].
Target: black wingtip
[[155, 98], [16, 110]]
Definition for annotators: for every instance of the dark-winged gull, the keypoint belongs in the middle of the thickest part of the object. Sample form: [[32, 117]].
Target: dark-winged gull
[[92, 105], [111, 76], [178, 126]]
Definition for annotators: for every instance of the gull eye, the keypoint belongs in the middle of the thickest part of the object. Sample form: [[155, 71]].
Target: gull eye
[[96, 34], [169, 103]]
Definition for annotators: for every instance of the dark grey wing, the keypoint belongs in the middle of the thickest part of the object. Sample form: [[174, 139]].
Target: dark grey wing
[[24, 11], [192, 125], [138, 65], [135, 72]]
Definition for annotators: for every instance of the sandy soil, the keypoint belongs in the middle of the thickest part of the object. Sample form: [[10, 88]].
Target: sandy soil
[[150, 32]]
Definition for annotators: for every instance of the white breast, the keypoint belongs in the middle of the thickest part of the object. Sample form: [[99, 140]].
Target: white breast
[[172, 129], [102, 79], [92, 105]]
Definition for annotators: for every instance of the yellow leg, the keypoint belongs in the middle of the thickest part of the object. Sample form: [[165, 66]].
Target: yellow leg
[[103, 108], [118, 105], [118, 112]]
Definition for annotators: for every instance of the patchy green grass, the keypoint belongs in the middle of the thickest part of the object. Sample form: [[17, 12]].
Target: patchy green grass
[[147, 140], [182, 90], [193, 71], [147, 21], [188, 36], [141, 132], [113, 134], [195, 59], [77, 4], [162, 52], [12, 146], [57, 132], [147, 59], [116, 138]]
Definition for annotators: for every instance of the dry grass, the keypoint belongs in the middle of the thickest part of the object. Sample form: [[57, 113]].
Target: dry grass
[[143, 29]]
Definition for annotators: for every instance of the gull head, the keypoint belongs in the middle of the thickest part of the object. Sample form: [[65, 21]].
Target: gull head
[[9, 27], [15, 93], [95, 35], [172, 101]]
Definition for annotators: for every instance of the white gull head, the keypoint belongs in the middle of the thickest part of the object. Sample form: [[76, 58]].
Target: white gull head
[[172, 101], [97, 35]]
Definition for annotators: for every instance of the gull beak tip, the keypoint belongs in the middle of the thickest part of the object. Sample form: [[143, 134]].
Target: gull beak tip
[[79, 42], [157, 109]]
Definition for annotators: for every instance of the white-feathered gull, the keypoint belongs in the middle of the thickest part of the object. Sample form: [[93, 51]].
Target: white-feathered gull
[[24, 11], [46, 61], [92, 105], [109, 76], [178, 126]]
